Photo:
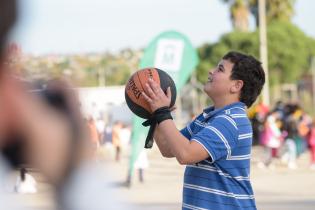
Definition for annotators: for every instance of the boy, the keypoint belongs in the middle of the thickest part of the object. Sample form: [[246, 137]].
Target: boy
[[216, 146]]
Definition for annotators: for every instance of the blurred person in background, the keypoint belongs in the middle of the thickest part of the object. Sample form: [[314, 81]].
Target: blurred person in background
[[125, 135], [258, 114], [46, 130], [290, 155], [304, 128], [93, 134], [141, 163], [100, 125], [116, 139], [271, 139], [311, 142]]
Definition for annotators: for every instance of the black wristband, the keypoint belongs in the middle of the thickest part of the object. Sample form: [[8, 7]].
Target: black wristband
[[158, 116], [161, 114]]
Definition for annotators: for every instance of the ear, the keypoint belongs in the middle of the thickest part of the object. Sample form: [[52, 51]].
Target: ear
[[237, 86]]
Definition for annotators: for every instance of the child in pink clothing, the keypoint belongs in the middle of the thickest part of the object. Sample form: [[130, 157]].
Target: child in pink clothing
[[311, 142]]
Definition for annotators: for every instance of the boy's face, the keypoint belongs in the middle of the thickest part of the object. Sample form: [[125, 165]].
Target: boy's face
[[219, 83]]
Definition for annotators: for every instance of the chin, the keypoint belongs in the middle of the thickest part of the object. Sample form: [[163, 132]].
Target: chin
[[207, 88]]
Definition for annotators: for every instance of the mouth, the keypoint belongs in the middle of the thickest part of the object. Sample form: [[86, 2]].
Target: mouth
[[210, 79]]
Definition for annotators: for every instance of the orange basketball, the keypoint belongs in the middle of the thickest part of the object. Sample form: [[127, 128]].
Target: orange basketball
[[136, 85]]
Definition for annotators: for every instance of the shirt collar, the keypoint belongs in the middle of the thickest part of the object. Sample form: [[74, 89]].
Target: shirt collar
[[211, 111]]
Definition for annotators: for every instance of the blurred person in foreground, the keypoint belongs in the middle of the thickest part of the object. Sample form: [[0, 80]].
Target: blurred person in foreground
[[45, 130], [216, 146], [25, 182]]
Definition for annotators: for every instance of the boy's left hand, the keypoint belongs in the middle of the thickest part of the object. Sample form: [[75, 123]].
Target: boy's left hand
[[155, 96]]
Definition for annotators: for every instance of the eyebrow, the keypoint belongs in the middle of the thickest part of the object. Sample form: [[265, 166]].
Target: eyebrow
[[221, 65]]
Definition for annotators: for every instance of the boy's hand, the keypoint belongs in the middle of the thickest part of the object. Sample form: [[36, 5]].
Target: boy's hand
[[155, 96]]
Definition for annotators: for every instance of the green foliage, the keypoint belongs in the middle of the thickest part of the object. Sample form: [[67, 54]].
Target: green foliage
[[210, 55], [280, 10], [239, 14], [86, 69], [117, 74], [276, 10], [289, 51]]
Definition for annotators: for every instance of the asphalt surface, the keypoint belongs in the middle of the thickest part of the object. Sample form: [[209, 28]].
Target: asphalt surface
[[276, 188]]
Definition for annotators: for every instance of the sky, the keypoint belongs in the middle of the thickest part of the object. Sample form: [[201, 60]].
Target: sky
[[83, 26]]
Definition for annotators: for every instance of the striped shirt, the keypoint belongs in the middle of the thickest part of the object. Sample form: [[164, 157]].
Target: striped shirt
[[222, 181]]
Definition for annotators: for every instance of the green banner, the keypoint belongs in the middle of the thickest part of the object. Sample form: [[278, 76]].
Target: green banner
[[172, 52]]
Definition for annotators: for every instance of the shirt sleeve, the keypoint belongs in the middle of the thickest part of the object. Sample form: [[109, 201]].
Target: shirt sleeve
[[218, 138], [186, 132]]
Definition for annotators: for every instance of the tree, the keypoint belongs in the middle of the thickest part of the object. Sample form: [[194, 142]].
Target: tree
[[279, 10], [210, 54], [239, 14], [117, 73], [85, 70], [290, 51]]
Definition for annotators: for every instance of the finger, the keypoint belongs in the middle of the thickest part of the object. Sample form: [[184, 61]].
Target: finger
[[146, 97], [168, 92], [156, 88], [150, 92]]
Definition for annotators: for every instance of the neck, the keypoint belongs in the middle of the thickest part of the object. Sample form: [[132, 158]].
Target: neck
[[222, 102]]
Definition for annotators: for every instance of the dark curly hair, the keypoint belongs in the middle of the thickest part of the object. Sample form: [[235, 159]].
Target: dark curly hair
[[8, 13], [249, 70]]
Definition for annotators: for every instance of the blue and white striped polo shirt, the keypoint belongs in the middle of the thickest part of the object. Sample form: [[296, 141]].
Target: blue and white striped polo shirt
[[222, 181]]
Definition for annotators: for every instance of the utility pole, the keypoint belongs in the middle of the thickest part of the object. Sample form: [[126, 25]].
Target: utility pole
[[263, 49]]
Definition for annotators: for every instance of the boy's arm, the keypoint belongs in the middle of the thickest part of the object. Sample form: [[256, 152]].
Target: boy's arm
[[162, 143], [185, 151]]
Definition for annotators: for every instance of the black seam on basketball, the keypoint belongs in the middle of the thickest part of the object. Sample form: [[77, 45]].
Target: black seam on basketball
[[167, 81], [136, 109], [140, 82]]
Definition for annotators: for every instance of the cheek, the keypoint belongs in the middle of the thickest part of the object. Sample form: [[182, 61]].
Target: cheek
[[222, 84]]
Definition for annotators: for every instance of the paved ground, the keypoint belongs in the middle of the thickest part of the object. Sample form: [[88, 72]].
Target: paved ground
[[275, 189]]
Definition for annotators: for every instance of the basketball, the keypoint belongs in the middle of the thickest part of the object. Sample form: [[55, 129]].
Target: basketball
[[136, 84]]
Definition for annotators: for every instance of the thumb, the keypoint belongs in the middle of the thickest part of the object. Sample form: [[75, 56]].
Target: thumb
[[168, 92]]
